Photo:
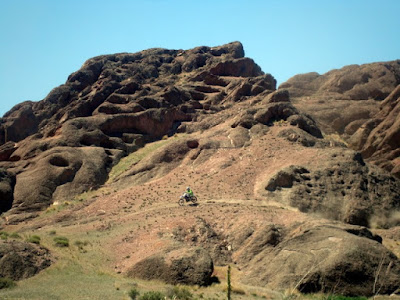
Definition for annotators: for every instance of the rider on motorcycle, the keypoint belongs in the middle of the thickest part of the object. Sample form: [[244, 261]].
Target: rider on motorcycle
[[188, 194]]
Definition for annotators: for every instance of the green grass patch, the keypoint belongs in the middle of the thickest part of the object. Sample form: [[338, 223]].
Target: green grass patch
[[152, 295], [33, 239], [14, 235], [68, 279], [61, 241], [133, 294], [6, 283], [4, 235], [181, 293], [127, 162]]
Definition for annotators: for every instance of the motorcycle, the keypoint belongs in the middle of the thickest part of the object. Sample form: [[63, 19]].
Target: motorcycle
[[184, 199]]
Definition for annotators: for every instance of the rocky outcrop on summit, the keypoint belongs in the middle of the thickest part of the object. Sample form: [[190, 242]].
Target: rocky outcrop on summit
[[112, 106], [353, 82]]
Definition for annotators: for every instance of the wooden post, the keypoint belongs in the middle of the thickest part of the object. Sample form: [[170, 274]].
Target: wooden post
[[5, 134], [229, 289]]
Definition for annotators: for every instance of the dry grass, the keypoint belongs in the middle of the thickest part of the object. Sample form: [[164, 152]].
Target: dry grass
[[335, 137]]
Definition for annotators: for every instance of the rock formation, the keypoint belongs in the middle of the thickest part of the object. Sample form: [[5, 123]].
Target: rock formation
[[358, 102], [183, 266], [344, 188], [323, 258], [20, 260], [292, 201], [353, 82], [67, 143]]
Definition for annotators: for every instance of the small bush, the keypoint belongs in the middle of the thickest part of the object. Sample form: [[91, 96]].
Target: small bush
[[52, 232], [14, 235], [6, 283], [152, 296], [180, 293], [81, 244], [61, 241], [133, 294], [4, 235], [34, 239]]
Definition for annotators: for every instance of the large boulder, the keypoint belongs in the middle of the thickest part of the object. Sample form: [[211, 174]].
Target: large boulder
[[328, 258], [7, 183], [20, 260], [6, 150], [192, 266]]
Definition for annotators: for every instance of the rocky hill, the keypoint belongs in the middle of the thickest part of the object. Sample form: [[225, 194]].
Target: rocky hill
[[358, 103], [283, 200]]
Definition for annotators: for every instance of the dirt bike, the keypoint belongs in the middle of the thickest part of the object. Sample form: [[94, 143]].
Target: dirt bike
[[184, 199]]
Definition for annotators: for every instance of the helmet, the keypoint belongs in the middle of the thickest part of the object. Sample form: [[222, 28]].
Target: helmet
[[188, 188]]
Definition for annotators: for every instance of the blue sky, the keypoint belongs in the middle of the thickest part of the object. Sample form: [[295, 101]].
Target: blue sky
[[43, 41]]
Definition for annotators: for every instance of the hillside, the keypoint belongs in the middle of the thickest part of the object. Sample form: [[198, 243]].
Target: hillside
[[104, 158]]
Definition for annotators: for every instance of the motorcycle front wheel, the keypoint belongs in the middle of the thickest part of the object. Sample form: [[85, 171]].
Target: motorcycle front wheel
[[181, 201]]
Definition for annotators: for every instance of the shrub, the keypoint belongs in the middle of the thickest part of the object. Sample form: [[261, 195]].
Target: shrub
[[6, 283], [180, 293], [152, 296], [81, 245], [4, 235], [14, 235], [34, 239], [61, 241], [133, 293]]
